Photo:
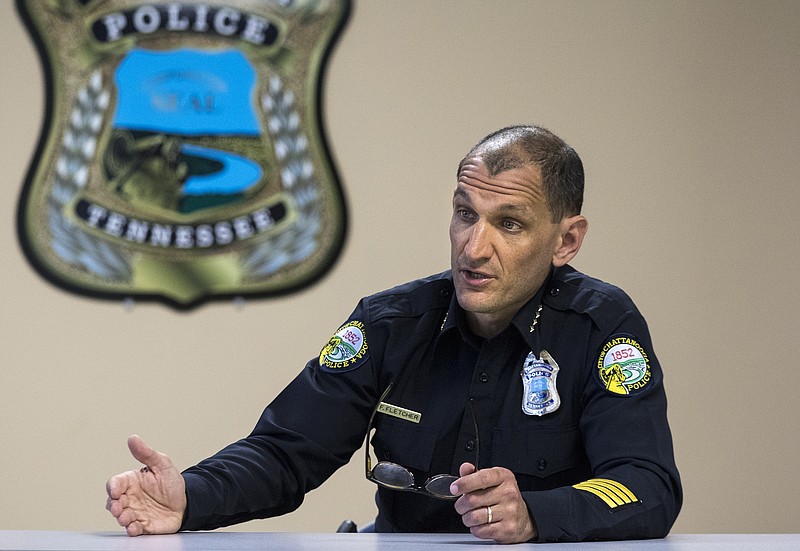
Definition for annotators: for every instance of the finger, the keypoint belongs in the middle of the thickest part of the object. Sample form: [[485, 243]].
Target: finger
[[476, 481], [114, 507], [112, 488], [477, 517], [147, 455], [486, 532], [498, 529], [134, 529], [126, 517], [141, 451], [466, 468], [118, 485], [498, 533]]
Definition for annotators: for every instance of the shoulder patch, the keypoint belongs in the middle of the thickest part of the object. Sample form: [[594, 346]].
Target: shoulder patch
[[346, 350], [623, 366]]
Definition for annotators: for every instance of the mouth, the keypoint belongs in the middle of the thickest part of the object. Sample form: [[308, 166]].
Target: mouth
[[475, 278]]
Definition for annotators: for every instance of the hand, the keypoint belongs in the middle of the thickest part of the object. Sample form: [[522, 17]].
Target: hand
[[150, 500], [497, 488]]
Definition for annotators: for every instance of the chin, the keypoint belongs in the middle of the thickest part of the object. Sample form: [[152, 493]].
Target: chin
[[470, 302]]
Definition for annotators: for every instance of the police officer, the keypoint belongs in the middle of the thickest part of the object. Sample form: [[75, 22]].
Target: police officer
[[511, 396]]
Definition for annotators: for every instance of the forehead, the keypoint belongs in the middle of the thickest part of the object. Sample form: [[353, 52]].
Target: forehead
[[519, 185]]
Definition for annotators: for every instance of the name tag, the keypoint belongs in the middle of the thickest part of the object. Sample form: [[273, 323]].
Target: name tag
[[400, 413]]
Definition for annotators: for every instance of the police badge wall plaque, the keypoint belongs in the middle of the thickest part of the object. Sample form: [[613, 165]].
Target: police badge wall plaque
[[183, 156]]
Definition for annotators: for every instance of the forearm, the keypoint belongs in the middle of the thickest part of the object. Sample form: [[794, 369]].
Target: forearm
[[637, 503], [244, 481], [289, 453]]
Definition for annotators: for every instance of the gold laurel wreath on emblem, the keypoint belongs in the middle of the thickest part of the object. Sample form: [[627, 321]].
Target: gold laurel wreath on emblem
[[78, 147], [290, 144]]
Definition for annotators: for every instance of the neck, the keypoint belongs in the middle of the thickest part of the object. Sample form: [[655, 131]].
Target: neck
[[486, 326]]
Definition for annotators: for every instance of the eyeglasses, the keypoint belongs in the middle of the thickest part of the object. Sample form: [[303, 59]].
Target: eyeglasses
[[396, 477]]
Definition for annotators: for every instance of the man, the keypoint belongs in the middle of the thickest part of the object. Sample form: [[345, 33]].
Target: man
[[524, 397]]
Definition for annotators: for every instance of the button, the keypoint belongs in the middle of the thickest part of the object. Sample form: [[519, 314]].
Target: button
[[444, 293], [469, 446], [542, 465], [554, 291], [484, 377]]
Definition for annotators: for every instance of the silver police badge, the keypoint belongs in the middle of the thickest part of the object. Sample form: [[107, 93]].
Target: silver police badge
[[539, 394], [183, 156]]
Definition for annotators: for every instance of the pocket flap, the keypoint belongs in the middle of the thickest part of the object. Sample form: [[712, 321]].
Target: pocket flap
[[538, 452]]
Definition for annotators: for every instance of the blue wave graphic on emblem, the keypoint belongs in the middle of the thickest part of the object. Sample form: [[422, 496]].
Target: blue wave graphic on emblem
[[236, 175]]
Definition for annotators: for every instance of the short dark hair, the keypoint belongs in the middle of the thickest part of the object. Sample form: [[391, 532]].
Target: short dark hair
[[528, 145]]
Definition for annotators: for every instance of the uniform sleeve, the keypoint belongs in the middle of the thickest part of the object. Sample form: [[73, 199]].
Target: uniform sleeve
[[635, 491], [311, 429]]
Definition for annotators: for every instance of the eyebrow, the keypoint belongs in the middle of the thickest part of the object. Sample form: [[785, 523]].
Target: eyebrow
[[505, 207], [458, 192]]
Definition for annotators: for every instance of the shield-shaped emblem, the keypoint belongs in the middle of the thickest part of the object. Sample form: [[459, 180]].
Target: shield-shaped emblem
[[183, 155], [539, 390]]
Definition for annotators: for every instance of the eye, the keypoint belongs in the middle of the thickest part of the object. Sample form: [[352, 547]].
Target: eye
[[511, 225], [463, 213]]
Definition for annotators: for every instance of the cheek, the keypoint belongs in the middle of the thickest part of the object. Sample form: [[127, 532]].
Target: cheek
[[456, 241], [532, 258]]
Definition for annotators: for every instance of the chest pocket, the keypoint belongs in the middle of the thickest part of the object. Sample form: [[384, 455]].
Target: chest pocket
[[540, 453], [404, 443]]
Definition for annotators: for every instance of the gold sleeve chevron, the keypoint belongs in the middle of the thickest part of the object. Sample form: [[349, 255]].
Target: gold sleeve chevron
[[613, 493]]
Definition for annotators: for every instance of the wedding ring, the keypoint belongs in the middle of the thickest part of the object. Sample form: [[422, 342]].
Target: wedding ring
[[489, 514]]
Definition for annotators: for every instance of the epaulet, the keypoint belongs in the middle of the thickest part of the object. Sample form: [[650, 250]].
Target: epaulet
[[413, 298], [570, 289]]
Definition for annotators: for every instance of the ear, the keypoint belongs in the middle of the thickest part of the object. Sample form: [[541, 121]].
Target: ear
[[571, 233]]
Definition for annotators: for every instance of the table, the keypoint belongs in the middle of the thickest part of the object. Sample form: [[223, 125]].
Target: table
[[45, 540]]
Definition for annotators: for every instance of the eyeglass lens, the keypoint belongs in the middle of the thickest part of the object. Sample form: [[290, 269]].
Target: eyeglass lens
[[398, 477]]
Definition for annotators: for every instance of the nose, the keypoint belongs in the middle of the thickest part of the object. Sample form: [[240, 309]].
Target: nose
[[478, 246]]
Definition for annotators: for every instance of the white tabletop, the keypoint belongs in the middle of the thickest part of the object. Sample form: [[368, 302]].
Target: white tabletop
[[30, 540]]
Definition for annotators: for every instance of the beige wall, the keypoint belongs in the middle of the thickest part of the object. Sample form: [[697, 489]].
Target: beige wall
[[686, 115]]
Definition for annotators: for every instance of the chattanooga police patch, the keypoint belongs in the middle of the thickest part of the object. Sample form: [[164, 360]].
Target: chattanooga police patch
[[346, 349], [623, 366], [183, 155]]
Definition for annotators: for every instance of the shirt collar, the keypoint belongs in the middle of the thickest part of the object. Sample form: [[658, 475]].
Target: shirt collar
[[455, 318], [528, 320]]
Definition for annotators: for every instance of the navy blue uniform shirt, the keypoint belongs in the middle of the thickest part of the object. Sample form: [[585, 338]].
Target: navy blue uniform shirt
[[593, 454]]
